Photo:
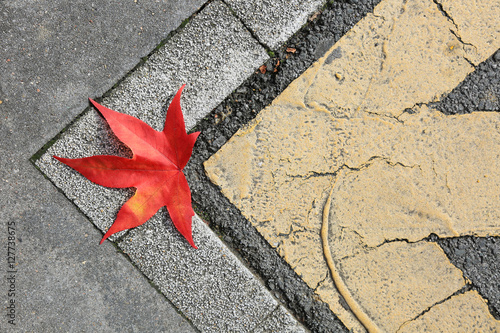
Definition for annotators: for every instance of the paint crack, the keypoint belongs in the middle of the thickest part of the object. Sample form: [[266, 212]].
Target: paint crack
[[313, 174], [463, 290], [372, 159], [455, 33], [445, 13], [323, 280]]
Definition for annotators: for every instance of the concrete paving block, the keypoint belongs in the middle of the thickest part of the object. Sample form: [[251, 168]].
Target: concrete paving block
[[214, 53], [273, 22], [280, 321], [55, 54], [209, 285], [87, 137]]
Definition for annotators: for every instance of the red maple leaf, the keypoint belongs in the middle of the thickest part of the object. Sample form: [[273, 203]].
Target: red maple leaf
[[155, 169]]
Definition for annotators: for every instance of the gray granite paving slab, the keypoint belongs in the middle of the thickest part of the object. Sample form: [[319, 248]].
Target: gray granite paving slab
[[56, 54], [209, 285], [280, 321], [66, 282], [273, 22], [87, 137], [53, 55], [214, 53]]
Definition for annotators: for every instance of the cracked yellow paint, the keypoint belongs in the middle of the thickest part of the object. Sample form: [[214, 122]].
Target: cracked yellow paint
[[477, 25], [455, 315], [346, 185]]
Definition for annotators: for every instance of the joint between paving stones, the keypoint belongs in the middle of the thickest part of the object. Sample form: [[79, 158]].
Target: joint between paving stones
[[51, 142], [98, 99], [252, 33], [116, 245], [268, 316]]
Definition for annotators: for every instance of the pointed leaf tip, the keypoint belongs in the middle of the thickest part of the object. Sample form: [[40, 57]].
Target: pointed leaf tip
[[94, 103], [155, 170]]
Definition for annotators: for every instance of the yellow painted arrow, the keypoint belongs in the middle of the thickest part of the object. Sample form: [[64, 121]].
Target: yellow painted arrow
[[346, 185]]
